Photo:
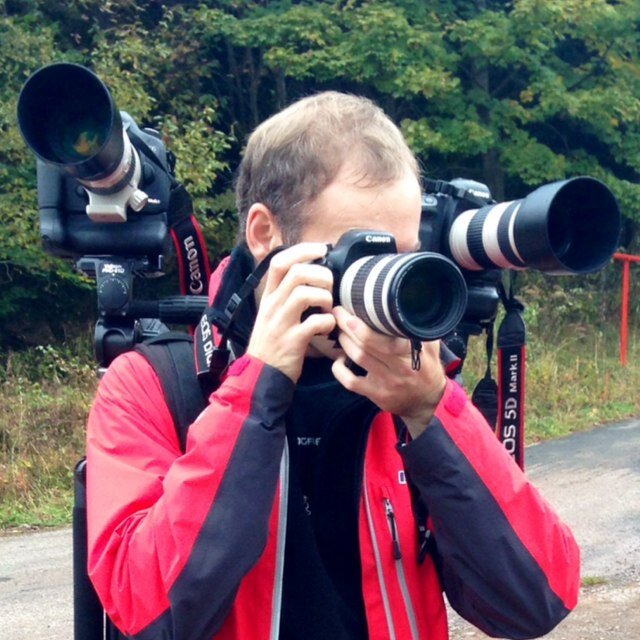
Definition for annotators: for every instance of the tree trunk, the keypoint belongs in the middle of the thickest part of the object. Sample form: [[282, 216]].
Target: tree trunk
[[493, 174]]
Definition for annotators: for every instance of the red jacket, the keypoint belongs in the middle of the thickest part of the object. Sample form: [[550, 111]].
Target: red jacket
[[192, 545]]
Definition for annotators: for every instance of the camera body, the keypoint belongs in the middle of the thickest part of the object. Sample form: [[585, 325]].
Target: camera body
[[108, 199], [440, 208], [67, 231]]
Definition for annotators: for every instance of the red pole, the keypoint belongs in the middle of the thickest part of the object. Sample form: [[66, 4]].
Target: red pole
[[625, 312]]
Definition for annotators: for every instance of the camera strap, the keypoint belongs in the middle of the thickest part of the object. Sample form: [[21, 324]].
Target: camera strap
[[502, 403], [188, 240], [212, 359], [189, 243], [485, 395], [511, 374]]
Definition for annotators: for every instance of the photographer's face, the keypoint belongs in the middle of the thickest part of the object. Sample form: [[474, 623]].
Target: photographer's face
[[345, 204], [348, 203]]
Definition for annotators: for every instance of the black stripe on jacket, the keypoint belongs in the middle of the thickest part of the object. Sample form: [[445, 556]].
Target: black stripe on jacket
[[489, 576]]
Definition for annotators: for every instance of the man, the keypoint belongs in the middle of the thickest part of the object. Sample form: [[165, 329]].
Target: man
[[306, 503]]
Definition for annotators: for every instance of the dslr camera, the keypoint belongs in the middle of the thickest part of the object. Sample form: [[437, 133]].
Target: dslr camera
[[562, 228], [420, 296], [106, 191]]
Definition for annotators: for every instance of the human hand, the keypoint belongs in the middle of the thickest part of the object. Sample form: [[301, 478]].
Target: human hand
[[391, 382], [280, 337]]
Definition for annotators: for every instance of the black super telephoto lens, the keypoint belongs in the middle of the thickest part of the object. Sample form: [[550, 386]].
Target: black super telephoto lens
[[565, 227], [413, 295], [69, 119]]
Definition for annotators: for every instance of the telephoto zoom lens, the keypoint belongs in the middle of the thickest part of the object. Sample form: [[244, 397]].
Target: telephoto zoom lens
[[420, 296], [565, 227]]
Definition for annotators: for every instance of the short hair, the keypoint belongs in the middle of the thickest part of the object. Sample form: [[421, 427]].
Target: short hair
[[295, 154]]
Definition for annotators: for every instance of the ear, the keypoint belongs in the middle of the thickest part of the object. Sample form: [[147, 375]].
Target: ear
[[263, 232]]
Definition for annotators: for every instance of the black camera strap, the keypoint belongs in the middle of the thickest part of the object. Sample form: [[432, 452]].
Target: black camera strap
[[189, 243], [485, 395], [211, 358], [511, 374], [502, 403]]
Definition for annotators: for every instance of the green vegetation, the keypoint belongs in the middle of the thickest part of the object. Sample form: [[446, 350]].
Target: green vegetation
[[513, 94], [573, 383], [593, 581], [45, 394]]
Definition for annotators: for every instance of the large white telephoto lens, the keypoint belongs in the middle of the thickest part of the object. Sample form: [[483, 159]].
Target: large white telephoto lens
[[69, 119], [565, 227]]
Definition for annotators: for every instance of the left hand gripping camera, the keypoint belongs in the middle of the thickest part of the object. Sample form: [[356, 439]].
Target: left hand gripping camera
[[105, 190]]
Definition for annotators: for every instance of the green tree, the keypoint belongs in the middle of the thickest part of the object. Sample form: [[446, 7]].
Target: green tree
[[513, 94]]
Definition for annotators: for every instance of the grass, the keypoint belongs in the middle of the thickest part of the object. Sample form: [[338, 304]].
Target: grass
[[574, 381], [593, 581], [44, 398]]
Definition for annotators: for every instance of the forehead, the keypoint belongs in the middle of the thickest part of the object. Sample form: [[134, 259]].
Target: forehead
[[347, 203]]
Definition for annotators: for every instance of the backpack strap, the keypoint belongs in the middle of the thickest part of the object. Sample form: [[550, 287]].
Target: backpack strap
[[171, 356]]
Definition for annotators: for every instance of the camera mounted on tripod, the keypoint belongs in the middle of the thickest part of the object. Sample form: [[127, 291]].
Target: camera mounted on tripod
[[108, 198]]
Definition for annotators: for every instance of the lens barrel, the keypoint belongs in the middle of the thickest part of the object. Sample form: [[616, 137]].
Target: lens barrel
[[413, 295], [566, 227], [69, 119]]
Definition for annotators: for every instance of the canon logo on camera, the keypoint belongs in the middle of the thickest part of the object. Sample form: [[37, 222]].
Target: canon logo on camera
[[378, 239], [486, 195]]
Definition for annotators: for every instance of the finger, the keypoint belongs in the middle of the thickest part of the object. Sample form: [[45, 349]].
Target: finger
[[301, 299], [314, 275], [369, 339], [317, 324], [362, 358], [299, 336], [283, 261], [347, 378]]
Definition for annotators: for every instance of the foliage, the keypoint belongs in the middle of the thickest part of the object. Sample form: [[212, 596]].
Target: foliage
[[513, 94]]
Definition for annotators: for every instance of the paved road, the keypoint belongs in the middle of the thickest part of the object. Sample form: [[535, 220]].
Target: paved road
[[592, 478], [35, 586]]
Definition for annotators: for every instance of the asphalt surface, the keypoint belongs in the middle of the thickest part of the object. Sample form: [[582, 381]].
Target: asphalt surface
[[592, 478], [593, 481]]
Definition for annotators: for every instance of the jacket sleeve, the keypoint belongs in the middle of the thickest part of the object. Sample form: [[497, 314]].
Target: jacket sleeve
[[172, 535], [508, 564]]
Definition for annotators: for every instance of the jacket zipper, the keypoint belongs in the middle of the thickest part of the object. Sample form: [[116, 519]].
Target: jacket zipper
[[282, 533], [376, 552], [402, 579]]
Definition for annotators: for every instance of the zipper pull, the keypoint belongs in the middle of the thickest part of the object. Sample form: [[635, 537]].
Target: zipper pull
[[388, 508], [426, 545]]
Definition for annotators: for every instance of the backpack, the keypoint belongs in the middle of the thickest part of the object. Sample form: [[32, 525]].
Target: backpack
[[171, 356]]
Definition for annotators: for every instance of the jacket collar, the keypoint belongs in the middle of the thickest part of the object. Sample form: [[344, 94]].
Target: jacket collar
[[225, 281]]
